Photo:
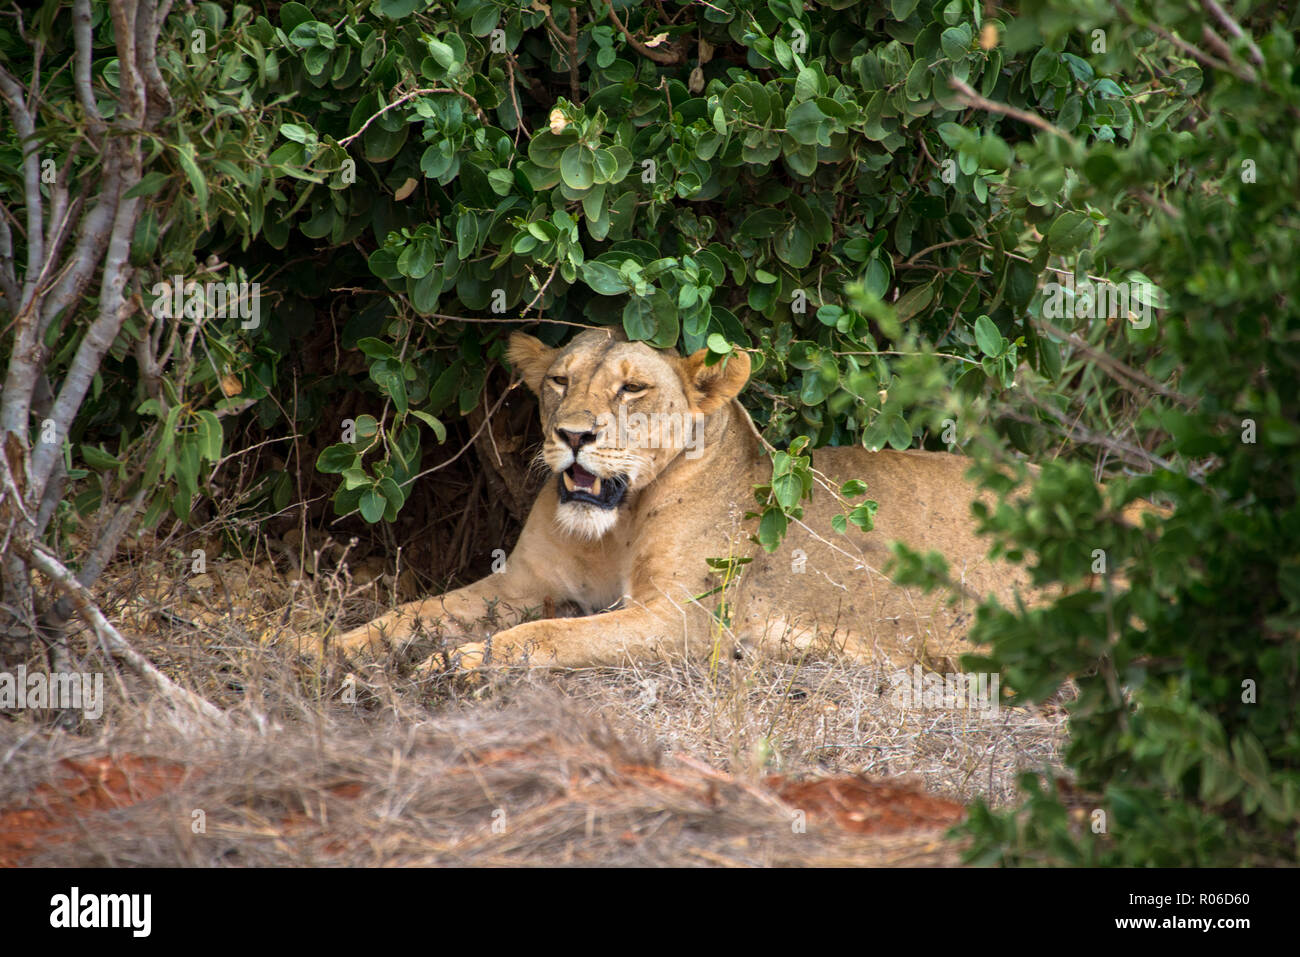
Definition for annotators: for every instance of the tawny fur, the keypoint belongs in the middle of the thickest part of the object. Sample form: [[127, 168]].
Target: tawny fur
[[646, 559]]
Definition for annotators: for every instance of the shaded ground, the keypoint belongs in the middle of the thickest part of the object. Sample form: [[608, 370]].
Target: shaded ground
[[753, 763]]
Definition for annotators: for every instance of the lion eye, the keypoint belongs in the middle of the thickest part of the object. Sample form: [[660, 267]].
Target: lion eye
[[632, 388], [559, 380]]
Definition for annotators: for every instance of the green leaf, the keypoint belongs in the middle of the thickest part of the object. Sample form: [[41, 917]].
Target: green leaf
[[603, 278], [298, 133], [442, 54], [432, 422], [150, 183], [333, 459], [806, 123], [99, 460], [1069, 232], [651, 318], [853, 488], [372, 504], [578, 167], [771, 529], [864, 516], [988, 338], [788, 489], [1043, 65], [794, 246], [189, 165], [955, 42], [210, 447], [913, 302]]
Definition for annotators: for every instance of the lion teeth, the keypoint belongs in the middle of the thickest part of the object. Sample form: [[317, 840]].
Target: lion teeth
[[568, 482], [595, 486]]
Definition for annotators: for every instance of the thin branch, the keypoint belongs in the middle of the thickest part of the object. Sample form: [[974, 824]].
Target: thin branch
[[1195, 52], [486, 419], [670, 57], [107, 540], [99, 338], [929, 249], [1117, 369], [410, 96], [25, 127], [1133, 455], [157, 97], [541, 290], [96, 225], [8, 277], [110, 639], [1234, 28], [973, 99], [84, 51], [514, 96], [1114, 366]]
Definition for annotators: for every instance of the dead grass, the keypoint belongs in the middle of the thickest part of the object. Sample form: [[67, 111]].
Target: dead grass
[[760, 763]]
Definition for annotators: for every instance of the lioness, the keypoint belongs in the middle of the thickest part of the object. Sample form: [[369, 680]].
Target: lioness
[[654, 463]]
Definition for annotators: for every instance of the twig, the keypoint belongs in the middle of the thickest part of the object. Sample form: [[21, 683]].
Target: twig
[[1113, 365], [929, 249], [1195, 52], [486, 419], [571, 43], [666, 57], [478, 111], [109, 638], [514, 96], [973, 99], [1234, 28], [541, 290], [1132, 454]]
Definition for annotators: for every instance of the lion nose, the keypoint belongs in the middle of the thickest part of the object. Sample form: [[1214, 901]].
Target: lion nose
[[576, 440]]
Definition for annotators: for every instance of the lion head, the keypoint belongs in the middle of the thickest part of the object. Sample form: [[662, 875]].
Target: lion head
[[615, 414]]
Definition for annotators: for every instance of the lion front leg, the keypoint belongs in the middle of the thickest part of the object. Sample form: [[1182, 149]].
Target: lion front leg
[[613, 638], [474, 610]]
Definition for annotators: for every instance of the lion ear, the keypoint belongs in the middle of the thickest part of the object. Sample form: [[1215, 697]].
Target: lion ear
[[531, 358], [710, 387]]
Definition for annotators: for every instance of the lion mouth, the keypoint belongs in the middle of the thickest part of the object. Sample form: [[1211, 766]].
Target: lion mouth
[[579, 485]]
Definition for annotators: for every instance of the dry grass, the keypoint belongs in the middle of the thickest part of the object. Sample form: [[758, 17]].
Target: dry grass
[[669, 764]]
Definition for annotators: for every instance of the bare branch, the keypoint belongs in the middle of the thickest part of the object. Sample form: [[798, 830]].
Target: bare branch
[[132, 97], [159, 100], [1234, 28], [91, 243], [410, 96], [669, 57], [8, 277], [110, 639], [971, 98], [1114, 366], [12, 94], [571, 50], [85, 93], [113, 310], [61, 216]]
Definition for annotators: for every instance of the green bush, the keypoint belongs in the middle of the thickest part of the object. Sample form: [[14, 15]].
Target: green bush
[[873, 198]]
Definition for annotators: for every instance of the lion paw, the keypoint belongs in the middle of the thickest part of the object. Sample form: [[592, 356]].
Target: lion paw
[[469, 657]]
